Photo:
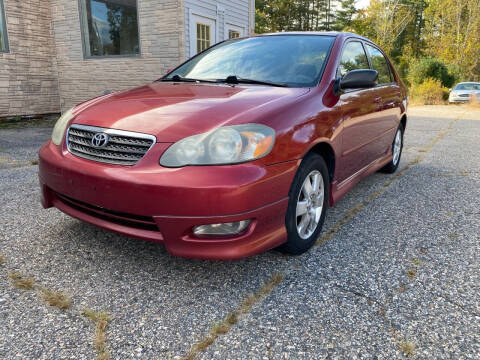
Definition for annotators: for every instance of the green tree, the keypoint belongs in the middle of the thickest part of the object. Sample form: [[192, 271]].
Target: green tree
[[344, 15], [303, 15], [453, 34], [428, 68]]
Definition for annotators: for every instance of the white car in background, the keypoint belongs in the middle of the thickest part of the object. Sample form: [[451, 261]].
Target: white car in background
[[462, 92]]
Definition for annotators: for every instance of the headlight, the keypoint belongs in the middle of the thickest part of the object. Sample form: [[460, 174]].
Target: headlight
[[60, 126], [225, 145]]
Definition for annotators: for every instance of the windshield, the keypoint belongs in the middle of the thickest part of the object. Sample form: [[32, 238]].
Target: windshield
[[291, 60], [467, 87]]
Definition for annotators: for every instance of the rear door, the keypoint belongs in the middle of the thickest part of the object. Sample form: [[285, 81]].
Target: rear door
[[389, 97], [359, 109]]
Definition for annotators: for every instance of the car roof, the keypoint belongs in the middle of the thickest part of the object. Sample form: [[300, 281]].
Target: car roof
[[469, 82], [324, 33]]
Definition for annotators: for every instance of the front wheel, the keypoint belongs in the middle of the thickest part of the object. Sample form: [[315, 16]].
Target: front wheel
[[397, 147], [307, 205]]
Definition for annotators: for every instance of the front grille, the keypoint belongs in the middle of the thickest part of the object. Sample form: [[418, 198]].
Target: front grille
[[122, 147], [116, 217], [464, 95]]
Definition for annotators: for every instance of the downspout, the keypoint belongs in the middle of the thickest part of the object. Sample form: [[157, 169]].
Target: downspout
[[251, 22]]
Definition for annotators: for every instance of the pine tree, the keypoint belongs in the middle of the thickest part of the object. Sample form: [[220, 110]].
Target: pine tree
[[344, 15]]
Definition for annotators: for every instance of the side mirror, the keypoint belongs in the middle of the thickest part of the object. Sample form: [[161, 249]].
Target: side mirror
[[356, 79]]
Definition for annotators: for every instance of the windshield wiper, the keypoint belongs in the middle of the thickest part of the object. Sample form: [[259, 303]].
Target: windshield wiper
[[178, 78], [233, 79]]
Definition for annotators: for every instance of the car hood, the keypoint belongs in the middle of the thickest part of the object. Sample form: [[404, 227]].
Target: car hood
[[172, 111]]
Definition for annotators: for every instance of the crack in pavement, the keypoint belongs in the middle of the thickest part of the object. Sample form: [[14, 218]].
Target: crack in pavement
[[466, 309]]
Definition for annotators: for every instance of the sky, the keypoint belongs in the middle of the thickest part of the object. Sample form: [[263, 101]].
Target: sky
[[362, 4]]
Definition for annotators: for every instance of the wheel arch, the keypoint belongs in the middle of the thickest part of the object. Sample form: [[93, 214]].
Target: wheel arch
[[403, 121], [325, 150]]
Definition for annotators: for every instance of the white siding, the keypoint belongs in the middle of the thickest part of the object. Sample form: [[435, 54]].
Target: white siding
[[235, 12]]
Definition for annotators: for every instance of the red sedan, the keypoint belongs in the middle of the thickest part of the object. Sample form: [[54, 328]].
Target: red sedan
[[239, 150]]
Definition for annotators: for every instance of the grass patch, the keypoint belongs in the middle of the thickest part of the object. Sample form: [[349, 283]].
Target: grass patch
[[411, 274], [34, 162], [453, 235], [221, 328], [101, 320], [442, 175], [21, 282], [416, 262], [231, 319], [402, 288], [407, 348], [56, 299], [2, 259], [339, 224]]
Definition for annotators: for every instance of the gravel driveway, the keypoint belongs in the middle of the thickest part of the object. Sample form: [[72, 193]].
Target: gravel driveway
[[396, 273]]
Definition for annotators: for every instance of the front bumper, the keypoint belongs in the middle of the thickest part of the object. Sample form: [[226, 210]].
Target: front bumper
[[150, 202], [458, 99]]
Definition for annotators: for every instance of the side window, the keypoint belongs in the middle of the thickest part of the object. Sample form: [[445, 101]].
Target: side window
[[353, 58], [380, 64]]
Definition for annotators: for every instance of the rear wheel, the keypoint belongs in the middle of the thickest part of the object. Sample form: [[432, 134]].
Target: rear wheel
[[307, 205], [397, 147]]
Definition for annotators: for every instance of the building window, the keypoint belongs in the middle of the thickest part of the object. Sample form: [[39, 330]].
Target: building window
[[109, 27], [203, 37], [3, 30], [232, 34]]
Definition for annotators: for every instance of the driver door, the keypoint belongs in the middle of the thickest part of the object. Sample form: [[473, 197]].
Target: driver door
[[359, 109]]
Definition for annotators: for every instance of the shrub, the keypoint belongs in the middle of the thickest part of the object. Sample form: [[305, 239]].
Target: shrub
[[475, 102], [425, 68], [430, 92]]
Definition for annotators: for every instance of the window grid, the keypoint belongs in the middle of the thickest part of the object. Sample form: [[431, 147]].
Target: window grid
[[203, 37], [232, 34]]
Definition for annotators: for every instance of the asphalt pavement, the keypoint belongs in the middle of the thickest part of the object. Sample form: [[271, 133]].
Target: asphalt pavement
[[395, 273]]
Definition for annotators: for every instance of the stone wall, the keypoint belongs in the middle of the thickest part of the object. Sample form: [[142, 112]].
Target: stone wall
[[162, 46], [28, 73]]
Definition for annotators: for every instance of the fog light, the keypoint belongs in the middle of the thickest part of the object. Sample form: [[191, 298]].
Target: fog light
[[231, 228]]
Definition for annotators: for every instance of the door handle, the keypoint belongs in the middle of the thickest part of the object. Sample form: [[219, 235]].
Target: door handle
[[377, 100]]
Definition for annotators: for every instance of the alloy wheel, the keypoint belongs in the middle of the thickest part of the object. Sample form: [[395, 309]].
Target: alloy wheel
[[397, 146], [310, 204]]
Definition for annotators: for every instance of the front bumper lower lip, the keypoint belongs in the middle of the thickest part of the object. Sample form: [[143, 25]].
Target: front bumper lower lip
[[175, 231]]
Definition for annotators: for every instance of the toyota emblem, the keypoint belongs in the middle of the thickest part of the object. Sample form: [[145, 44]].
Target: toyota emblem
[[100, 140]]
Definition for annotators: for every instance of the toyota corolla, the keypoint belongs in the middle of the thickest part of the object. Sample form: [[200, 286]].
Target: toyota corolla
[[239, 150]]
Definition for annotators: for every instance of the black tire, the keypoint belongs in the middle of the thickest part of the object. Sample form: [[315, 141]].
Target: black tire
[[295, 244], [392, 166]]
